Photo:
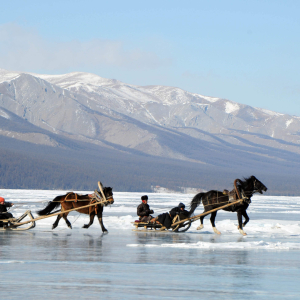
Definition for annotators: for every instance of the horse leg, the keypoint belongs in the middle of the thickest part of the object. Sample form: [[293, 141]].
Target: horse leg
[[56, 222], [92, 216], [201, 223], [67, 221], [212, 220], [100, 211], [240, 220], [245, 215]]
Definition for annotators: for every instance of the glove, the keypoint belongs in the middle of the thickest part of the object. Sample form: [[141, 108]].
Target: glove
[[151, 211]]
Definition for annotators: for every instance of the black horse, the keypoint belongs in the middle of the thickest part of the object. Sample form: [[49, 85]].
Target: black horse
[[72, 200], [214, 199]]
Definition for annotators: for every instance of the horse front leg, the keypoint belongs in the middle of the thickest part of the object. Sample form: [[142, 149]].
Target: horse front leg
[[100, 211], [212, 220], [240, 220], [201, 223], [92, 216], [245, 215]]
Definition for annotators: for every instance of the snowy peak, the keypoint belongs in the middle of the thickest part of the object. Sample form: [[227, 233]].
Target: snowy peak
[[87, 106], [8, 75], [77, 79]]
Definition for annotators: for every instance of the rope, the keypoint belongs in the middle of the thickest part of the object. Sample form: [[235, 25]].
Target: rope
[[206, 213], [62, 212], [79, 215]]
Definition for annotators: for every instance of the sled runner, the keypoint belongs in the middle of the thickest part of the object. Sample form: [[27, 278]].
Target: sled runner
[[13, 223]]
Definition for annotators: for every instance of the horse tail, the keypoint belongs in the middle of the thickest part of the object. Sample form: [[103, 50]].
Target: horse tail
[[51, 206], [196, 202]]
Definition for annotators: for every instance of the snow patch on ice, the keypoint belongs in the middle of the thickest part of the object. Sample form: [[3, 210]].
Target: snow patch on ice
[[260, 245], [11, 262]]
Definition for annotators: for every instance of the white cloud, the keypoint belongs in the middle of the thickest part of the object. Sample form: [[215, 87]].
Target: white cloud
[[25, 49]]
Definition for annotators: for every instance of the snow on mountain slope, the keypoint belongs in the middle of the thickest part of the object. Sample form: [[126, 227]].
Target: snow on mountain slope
[[7, 75], [171, 107], [151, 119], [76, 79]]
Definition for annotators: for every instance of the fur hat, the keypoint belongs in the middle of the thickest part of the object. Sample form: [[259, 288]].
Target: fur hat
[[145, 197]]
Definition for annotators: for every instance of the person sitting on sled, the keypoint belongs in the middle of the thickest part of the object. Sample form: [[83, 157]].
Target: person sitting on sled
[[166, 219], [3, 209], [144, 211]]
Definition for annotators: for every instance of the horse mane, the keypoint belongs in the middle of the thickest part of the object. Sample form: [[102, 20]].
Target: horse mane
[[245, 182]]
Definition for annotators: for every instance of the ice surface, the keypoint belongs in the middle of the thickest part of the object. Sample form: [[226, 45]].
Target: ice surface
[[124, 264]]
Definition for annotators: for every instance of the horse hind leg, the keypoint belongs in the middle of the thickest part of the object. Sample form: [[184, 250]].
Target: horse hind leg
[[245, 215], [67, 221], [201, 223], [92, 216], [55, 224], [212, 220]]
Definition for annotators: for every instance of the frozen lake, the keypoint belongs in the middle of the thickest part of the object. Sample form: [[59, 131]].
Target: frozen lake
[[83, 263]]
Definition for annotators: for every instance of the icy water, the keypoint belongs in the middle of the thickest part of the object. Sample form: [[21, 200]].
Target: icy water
[[123, 264]]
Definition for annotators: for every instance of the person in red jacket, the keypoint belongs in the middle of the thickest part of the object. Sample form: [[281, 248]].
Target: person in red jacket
[[3, 209], [144, 211]]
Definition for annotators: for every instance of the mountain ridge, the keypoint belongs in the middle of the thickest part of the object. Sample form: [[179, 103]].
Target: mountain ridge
[[159, 121]]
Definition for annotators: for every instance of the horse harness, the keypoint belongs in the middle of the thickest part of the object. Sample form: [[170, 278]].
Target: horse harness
[[94, 198], [232, 196]]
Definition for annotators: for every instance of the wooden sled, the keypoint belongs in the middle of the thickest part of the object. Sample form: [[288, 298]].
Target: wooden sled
[[12, 223], [178, 224], [155, 227]]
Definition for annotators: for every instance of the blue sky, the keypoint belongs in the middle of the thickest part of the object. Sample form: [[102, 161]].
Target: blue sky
[[244, 51]]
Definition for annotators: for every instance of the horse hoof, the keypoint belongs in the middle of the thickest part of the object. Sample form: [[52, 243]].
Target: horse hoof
[[85, 226], [200, 227], [216, 230], [242, 232], [70, 227]]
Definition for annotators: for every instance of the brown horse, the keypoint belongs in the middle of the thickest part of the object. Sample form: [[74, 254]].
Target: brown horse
[[73, 200]]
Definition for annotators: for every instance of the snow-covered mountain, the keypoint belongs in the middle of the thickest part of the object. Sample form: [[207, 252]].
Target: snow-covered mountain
[[159, 121], [97, 110]]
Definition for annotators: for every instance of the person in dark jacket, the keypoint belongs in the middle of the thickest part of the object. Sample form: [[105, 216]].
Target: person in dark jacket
[[144, 211], [3, 209], [165, 219]]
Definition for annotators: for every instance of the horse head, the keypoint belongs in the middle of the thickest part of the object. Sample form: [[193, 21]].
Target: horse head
[[108, 195], [258, 186]]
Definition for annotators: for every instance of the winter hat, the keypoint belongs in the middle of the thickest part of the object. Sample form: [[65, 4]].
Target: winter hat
[[181, 205], [145, 197], [2, 199]]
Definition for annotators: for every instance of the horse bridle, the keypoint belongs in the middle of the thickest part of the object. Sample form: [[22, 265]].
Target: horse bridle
[[100, 199], [109, 199], [255, 190]]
